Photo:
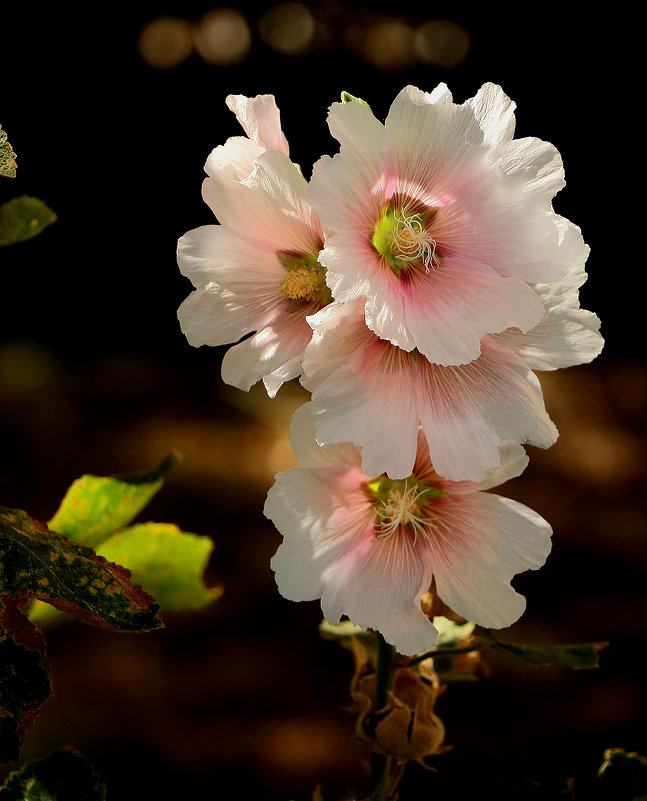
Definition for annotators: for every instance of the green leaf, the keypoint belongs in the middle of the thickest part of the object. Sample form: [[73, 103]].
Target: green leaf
[[37, 562], [7, 156], [584, 655], [94, 507], [24, 677], [168, 562], [23, 218], [64, 775]]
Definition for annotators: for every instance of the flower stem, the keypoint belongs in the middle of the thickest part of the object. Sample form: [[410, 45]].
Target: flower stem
[[435, 652], [386, 664]]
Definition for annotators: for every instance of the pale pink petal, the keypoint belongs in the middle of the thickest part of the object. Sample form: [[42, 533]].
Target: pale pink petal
[[270, 350], [268, 209], [464, 300], [494, 112], [513, 461], [260, 119], [322, 513], [373, 394], [236, 286], [567, 335], [378, 585], [237, 154], [467, 412], [480, 542]]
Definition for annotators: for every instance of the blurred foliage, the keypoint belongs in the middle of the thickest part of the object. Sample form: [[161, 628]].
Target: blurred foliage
[[23, 218], [62, 776]]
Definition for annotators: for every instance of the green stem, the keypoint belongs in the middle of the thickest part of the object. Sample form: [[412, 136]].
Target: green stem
[[435, 652], [386, 664]]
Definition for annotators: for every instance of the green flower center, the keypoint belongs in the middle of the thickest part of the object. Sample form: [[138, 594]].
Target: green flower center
[[402, 503], [403, 239], [305, 278]]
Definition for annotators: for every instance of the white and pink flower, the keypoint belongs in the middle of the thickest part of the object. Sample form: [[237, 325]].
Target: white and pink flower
[[258, 271], [368, 391], [369, 547], [441, 220]]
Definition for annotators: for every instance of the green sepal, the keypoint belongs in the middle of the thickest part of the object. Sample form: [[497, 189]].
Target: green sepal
[[346, 97], [94, 507], [23, 218], [36, 562], [65, 775]]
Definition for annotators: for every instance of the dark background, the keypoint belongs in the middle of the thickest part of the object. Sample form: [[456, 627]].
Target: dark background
[[95, 376]]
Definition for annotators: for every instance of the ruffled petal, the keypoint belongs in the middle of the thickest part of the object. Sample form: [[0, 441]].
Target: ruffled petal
[[275, 351], [260, 119], [268, 209], [369, 392], [567, 335], [378, 585], [236, 287], [480, 542], [321, 513]]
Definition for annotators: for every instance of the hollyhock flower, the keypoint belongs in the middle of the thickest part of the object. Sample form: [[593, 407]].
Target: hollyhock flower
[[257, 271], [441, 220], [367, 391], [369, 547]]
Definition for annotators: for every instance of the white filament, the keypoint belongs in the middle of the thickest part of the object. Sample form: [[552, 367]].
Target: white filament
[[402, 507], [412, 242]]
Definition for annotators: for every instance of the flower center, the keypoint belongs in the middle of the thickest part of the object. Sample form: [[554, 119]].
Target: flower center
[[403, 240], [305, 278], [403, 503]]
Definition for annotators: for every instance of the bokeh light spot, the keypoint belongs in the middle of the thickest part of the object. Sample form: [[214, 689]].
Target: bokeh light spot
[[442, 42], [389, 45], [288, 28], [222, 37], [165, 42]]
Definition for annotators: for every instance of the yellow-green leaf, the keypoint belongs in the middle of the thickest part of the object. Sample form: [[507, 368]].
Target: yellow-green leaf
[[94, 507], [170, 563], [22, 218]]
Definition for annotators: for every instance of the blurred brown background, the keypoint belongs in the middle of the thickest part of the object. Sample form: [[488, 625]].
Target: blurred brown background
[[112, 114]]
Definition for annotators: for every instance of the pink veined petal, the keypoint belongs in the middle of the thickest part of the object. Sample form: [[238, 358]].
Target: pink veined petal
[[378, 585], [260, 119], [369, 392], [270, 350], [363, 392], [236, 286], [469, 301], [479, 543], [321, 513], [268, 209], [468, 412]]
